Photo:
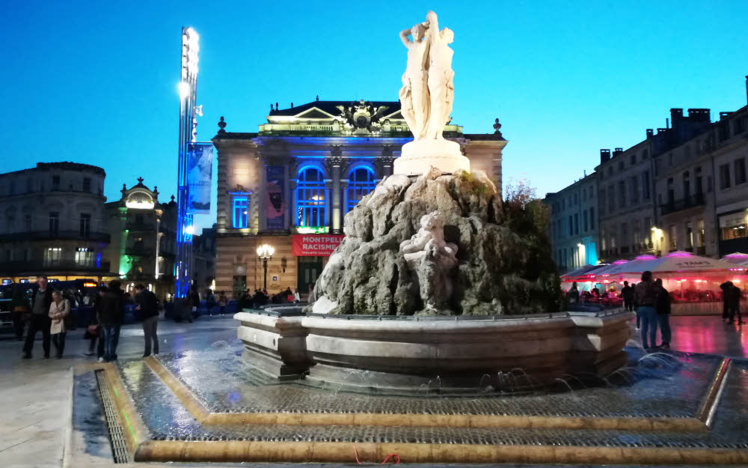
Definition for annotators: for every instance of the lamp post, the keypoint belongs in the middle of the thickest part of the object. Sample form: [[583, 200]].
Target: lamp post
[[265, 252]]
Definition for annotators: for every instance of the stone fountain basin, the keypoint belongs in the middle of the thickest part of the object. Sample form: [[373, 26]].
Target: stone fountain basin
[[442, 352]]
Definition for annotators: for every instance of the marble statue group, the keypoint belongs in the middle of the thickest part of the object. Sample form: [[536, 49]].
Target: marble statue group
[[428, 90], [426, 100]]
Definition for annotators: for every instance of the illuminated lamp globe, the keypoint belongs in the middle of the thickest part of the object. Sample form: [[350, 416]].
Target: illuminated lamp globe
[[265, 251]]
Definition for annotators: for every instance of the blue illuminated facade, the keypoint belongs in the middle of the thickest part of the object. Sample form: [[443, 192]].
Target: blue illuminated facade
[[298, 176]]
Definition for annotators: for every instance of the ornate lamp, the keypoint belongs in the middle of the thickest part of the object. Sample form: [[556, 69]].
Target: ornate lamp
[[265, 252]]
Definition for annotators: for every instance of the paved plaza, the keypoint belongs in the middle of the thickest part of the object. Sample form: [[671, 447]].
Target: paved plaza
[[35, 395]]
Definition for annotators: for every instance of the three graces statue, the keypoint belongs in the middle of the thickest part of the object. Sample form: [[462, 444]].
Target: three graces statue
[[426, 101], [428, 90]]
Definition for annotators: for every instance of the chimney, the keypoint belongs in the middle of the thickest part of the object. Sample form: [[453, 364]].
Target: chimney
[[700, 114], [604, 156], [650, 133], [676, 114], [617, 152]]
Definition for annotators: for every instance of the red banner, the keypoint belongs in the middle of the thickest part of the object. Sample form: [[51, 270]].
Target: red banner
[[315, 245]]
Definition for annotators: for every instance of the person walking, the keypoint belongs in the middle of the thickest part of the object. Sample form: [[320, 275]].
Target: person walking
[[147, 312], [296, 296], [39, 320], [735, 295], [573, 293], [645, 295], [19, 306], [222, 302], [663, 314], [110, 318], [94, 331], [59, 311], [726, 288]]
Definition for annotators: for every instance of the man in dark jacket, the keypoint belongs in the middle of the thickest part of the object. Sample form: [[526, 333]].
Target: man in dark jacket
[[645, 296], [663, 314], [39, 319], [730, 301], [147, 312], [735, 295], [110, 317]]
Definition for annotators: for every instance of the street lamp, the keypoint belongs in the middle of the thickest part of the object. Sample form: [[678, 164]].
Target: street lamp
[[265, 252]]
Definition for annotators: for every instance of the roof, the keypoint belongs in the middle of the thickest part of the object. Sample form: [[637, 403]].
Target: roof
[[65, 166], [331, 107]]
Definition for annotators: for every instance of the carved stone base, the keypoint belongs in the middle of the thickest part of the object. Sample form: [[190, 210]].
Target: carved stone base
[[419, 156]]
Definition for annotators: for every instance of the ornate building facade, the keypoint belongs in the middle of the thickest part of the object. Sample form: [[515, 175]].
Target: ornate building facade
[[291, 183], [52, 223], [143, 233]]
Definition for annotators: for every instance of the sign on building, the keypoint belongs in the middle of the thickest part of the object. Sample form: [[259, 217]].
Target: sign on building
[[315, 245]]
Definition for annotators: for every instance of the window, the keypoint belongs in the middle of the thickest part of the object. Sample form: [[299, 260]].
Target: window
[[633, 159], [645, 186], [11, 220], [54, 223], [732, 226], [633, 190], [360, 183], [621, 194], [689, 236], [699, 189], [29, 185], [601, 201], [56, 182], [85, 225], [673, 238], [571, 226], [687, 185], [27, 222], [311, 202], [576, 224], [84, 257], [611, 199], [240, 216], [700, 233], [87, 184], [52, 255], [740, 171], [724, 176], [585, 220], [592, 218]]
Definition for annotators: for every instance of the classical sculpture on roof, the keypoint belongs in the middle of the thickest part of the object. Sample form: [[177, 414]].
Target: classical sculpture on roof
[[426, 100]]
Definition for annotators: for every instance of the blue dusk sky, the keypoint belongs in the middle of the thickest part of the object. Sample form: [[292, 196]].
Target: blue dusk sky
[[96, 81]]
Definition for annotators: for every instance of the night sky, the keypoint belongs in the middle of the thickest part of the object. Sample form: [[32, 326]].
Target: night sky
[[96, 81]]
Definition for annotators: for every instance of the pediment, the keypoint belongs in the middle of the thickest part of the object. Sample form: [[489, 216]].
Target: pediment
[[314, 113]]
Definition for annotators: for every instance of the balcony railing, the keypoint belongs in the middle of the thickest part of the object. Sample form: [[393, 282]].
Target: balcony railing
[[34, 267], [683, 204], [140, 227], [139, 252], [55, 235]]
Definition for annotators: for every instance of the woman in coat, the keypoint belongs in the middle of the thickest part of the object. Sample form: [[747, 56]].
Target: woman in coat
[[59, 309]]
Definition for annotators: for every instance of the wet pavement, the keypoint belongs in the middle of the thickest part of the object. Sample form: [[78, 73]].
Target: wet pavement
[[36, 395]]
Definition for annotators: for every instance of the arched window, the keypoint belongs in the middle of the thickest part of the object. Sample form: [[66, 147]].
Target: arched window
[[311, 202], [360, 182]]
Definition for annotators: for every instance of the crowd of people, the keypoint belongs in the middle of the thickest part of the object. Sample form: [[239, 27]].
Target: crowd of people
[[48, 312], [652, 303], [260, 297]]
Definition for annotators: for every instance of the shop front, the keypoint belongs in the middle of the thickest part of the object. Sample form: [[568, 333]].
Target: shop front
[[311, 252]]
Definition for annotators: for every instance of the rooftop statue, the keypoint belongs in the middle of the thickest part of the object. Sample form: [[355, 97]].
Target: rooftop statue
[[426, 100]]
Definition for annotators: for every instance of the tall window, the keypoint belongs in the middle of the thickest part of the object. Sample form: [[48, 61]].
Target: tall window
[[56, 182], [311, 202], [52, 255], [85, 225], [27, 222], [592, 218], [54, 223], [645, 185], [87, 184], [740, 176], [240, 217], [360, 183], [724, 176], [84, 256]]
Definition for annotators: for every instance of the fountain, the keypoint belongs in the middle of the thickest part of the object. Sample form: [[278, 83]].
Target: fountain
[[437, 275]]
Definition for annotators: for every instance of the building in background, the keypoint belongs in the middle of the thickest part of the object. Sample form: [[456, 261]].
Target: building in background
[[204, 260], [143, 233], [52, 223], [685, 187], [573, 226], [291, 183]]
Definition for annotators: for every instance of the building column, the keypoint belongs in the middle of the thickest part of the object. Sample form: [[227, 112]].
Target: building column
[[291, 208], [262, 195], [336, 208], [286, 199]]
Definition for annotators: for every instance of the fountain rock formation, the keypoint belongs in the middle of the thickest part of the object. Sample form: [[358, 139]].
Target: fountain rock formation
[[439, 245]]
